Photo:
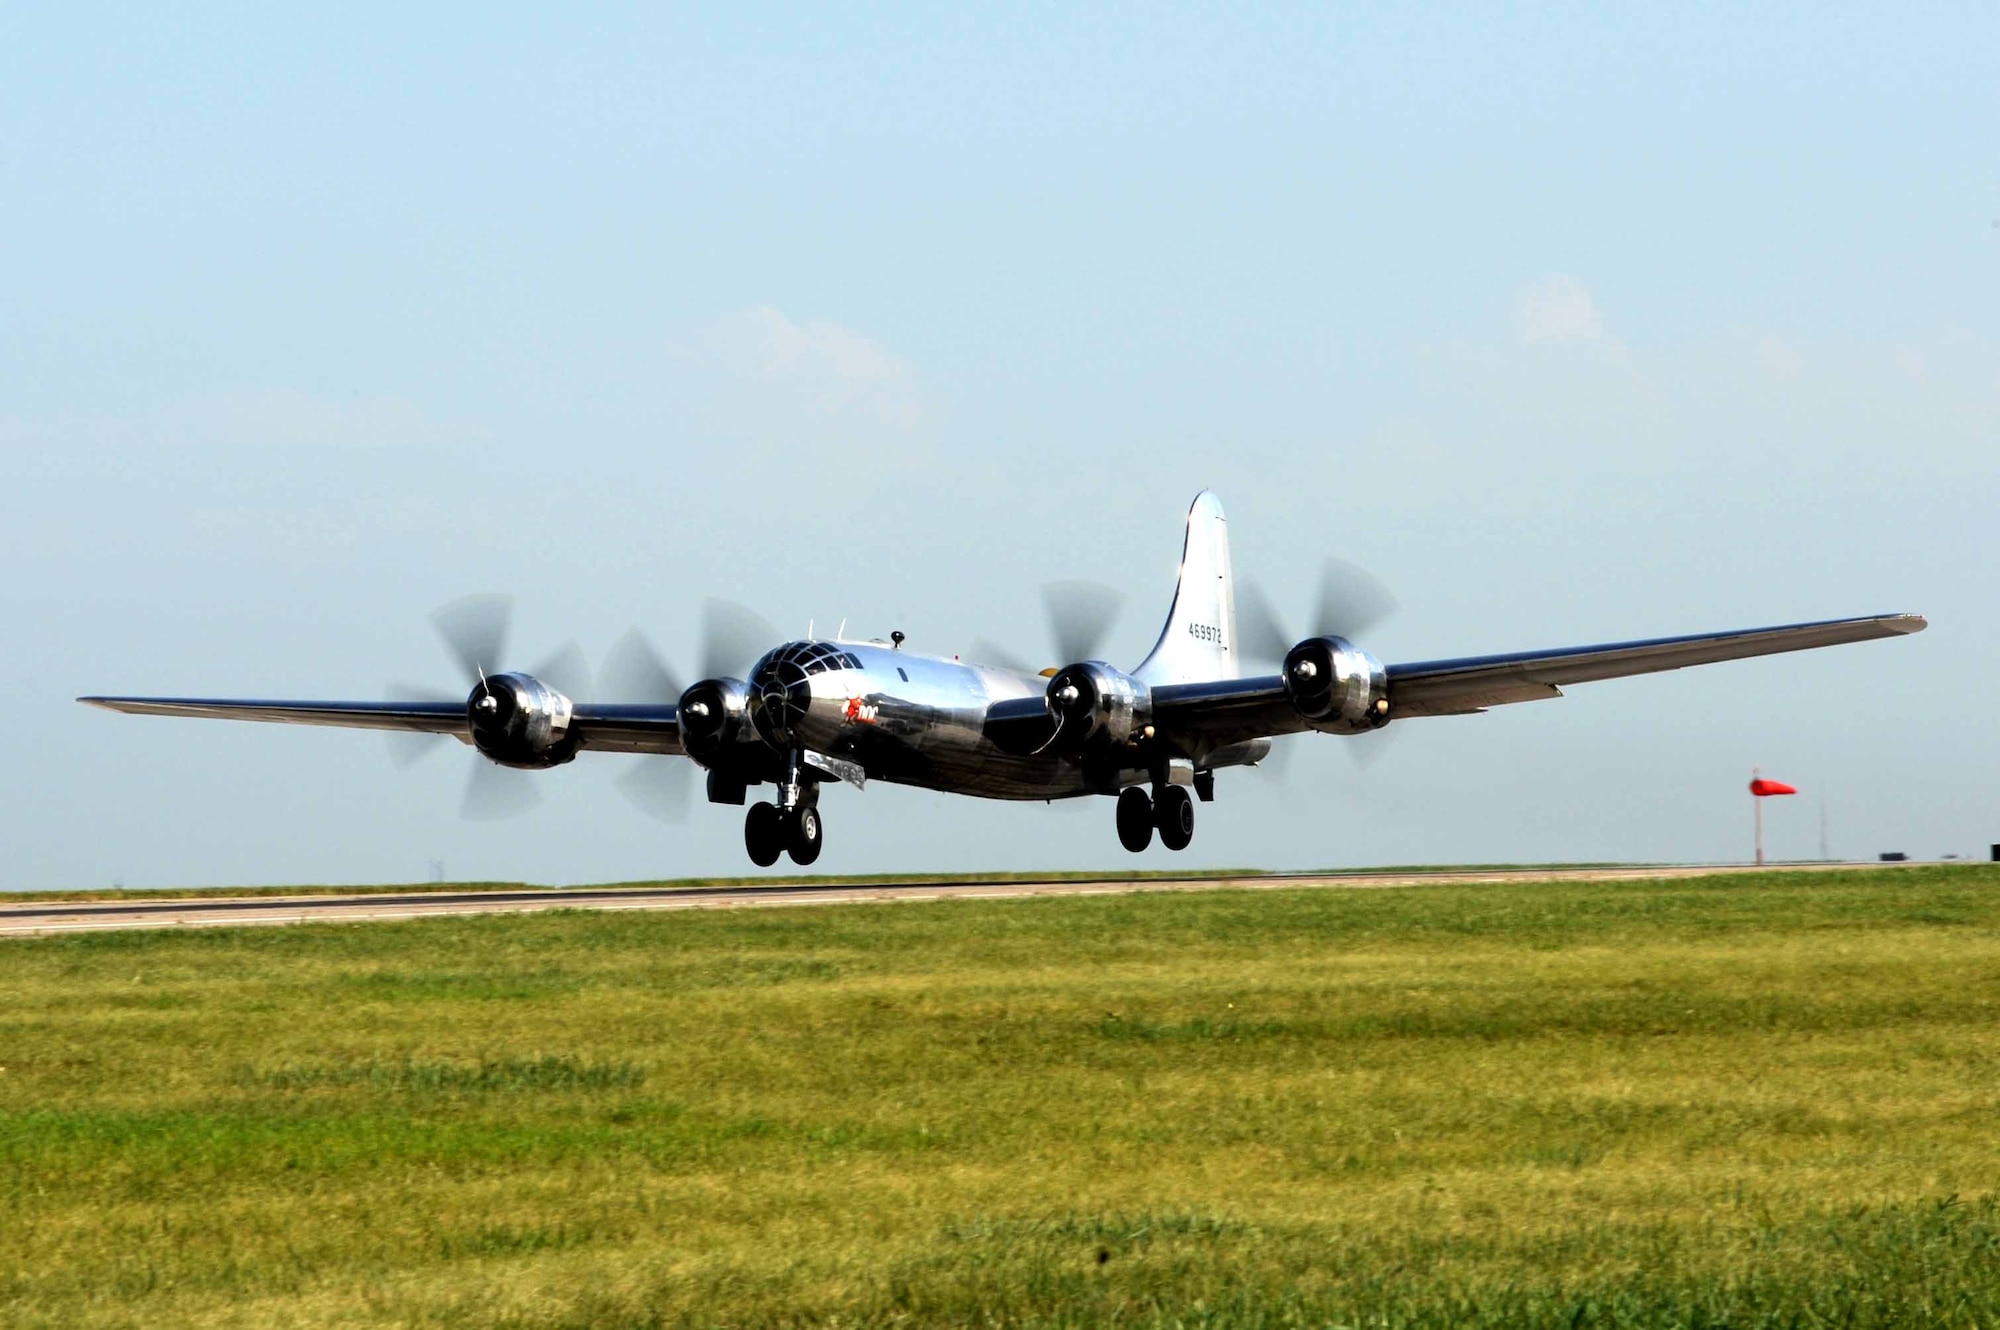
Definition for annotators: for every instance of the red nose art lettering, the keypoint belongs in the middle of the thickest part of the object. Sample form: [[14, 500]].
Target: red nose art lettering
[[860, 711]]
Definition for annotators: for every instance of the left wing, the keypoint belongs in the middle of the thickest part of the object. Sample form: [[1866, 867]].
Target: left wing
[[1455, 687], [1215, 715], [606, 728]]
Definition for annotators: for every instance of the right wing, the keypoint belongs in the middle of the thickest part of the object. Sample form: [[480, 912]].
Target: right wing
[[604, 727]]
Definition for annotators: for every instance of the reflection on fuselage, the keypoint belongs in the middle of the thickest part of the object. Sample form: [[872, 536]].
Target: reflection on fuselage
[[906, 718]]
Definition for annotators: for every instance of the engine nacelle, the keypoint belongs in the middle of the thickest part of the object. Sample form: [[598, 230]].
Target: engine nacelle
[[1336, 686], [519, 721], [1095, 706], [712, 717]]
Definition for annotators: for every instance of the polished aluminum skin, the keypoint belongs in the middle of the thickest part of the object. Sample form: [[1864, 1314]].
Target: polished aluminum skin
[[906, 718], [519, 721], [1336, 686]]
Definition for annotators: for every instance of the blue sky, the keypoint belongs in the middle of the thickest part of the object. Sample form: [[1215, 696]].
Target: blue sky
[[1573, 325]]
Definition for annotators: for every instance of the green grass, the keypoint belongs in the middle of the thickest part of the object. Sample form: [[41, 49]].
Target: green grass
[[1742, 1101]]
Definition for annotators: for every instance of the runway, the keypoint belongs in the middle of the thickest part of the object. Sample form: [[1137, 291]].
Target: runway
[[35, 918]]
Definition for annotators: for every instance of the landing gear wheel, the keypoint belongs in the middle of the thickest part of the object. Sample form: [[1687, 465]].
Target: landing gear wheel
[[1173, 813], [803, 836], [764, 834], [1135, 819]]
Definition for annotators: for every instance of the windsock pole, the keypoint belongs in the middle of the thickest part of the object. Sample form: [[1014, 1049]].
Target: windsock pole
[[1757, 803], [1759, 807]]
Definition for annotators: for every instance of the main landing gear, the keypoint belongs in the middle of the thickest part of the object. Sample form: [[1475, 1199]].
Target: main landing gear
[[1171, 814]]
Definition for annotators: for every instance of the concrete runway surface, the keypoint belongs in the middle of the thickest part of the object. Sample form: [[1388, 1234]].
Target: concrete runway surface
[[28, 918]]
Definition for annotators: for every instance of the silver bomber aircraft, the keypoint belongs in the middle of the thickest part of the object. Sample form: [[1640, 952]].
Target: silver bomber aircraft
[[1151, 739]]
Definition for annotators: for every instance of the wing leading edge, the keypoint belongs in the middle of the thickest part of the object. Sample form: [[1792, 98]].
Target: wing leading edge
[[1234, 710], [606, 728]]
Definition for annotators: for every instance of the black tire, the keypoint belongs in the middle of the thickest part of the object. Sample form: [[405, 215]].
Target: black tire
[[764, 834], [804, 835], [1173, 814], [1135, 819]]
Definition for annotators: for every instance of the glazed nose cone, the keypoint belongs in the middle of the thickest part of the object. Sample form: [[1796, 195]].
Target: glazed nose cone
[[779, 696]]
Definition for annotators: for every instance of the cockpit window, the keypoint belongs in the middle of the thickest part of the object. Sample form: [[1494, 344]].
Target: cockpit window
[[815, 657]]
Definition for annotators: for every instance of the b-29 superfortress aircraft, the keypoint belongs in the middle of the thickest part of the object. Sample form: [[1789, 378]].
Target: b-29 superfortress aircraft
[[1152, 739]]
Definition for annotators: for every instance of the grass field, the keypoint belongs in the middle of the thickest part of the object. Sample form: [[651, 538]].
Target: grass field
[[1745, 1101], [100, 894]]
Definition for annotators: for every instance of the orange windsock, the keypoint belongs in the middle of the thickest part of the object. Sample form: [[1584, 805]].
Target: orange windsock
[[1764, 788]]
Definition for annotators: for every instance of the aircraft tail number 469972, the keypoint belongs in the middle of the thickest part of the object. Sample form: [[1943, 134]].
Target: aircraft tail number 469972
[[1151, 738]]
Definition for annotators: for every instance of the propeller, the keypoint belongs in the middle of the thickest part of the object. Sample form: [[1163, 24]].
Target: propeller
[[985, 651], [1080, 616], [495, 792], [1363, 750], [567, 671], [635, 671], [732, 637], [1351, 602], [408, 747], [1367, 748], [474, 630]]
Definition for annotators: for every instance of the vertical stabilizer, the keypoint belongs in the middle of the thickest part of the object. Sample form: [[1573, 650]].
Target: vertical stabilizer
[[1199, 642]]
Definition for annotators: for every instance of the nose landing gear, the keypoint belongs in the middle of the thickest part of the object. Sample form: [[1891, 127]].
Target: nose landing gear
[[770, 831], [764, 834], [803, 835], [790, 826]]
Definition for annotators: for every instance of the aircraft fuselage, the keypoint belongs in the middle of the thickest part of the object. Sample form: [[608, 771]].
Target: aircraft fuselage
[[904, 717]]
